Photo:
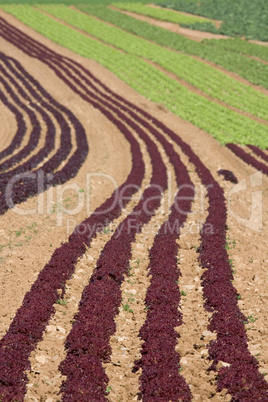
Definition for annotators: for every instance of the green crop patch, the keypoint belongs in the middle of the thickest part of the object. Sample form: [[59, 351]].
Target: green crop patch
[[202, 76], [252, 70], [162, 14], [67, 2], [222, 123], [239, 18], [240, 46]]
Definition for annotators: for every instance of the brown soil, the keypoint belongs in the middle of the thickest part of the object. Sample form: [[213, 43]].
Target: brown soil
[[109, 153], [258, 42], [258, 59]]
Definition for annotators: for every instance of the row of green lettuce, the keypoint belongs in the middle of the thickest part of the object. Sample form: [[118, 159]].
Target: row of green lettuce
[[237, 45], [231, 59], [239, 17], [209, 80], [67, 2], [219, 121], [165, 14]]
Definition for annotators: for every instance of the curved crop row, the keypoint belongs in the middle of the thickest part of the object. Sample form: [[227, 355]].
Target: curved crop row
[[94, 386], [249, 159], [27, 185], [223, 123], [251, 70]]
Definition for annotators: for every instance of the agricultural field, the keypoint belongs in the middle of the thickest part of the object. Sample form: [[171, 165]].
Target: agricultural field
[[133, 201]]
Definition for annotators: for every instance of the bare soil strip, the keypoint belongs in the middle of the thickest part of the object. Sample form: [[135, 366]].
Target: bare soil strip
[[258, 59]]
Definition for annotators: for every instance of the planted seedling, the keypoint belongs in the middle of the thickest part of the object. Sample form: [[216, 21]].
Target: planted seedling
[[126, 307], [108, 389], [129, 271], [62, 302], [251, 318]]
